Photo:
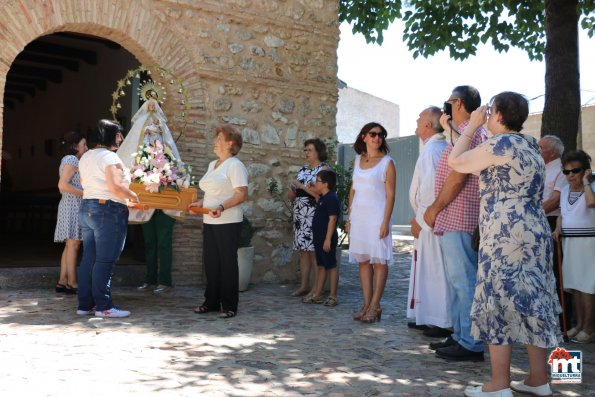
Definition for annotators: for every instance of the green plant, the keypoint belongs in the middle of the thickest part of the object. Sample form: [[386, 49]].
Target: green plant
[[246, 233], [276, 192]]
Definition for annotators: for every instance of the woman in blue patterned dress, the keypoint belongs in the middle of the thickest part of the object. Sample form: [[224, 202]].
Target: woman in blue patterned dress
[[304, 197], [68, 230], [515, 298]]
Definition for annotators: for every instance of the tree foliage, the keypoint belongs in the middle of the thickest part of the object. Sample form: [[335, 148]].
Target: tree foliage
[[459, 26]]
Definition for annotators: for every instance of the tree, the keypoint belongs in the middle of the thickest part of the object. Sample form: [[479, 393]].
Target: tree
[[549, 30]]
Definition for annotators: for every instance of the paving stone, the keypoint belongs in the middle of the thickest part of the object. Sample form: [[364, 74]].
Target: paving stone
[[276, 346]]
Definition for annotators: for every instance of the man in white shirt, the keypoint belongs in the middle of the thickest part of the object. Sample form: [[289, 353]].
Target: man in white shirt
[[551, 151], [428, 299]]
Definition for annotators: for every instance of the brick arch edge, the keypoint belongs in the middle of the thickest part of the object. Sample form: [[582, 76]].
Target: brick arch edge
[[161, 47]]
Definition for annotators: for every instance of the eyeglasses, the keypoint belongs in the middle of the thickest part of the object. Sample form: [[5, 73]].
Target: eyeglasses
[[574, 171], [374, 134]]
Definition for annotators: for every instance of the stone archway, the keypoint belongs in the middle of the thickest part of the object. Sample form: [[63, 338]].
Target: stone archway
[[137, 29], [146, 36]]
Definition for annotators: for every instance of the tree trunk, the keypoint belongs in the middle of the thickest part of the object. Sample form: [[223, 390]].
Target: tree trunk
[[562, 80]]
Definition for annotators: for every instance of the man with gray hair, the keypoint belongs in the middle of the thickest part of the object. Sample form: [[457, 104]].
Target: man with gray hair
[[551, 151], [428, 297]]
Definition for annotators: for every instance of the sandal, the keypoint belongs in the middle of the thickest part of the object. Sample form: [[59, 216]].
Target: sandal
[[299, 292], [313, 299], [202, 309], [60, 288], [357, 316], [227, 314], [331, 301], [69, 290]]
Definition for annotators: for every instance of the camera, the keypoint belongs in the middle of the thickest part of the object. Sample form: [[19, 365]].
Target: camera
[[448, 108]]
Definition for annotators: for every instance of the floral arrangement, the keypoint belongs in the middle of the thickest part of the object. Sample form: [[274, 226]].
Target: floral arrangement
[[157, 169]]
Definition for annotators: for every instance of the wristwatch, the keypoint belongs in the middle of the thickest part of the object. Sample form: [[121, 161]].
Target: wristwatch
[[222, 207]]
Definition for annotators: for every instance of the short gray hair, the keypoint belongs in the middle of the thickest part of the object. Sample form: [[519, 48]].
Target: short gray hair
[[435, 114], [555, 143]]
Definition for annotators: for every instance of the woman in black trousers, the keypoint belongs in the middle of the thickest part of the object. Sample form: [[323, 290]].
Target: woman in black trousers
[[226, 186]]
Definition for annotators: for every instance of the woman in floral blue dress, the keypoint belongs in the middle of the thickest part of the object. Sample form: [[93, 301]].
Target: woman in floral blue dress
[[515, 299], [68, 230]]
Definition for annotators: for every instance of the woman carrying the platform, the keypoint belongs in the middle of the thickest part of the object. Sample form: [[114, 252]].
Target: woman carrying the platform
[[225, 186]]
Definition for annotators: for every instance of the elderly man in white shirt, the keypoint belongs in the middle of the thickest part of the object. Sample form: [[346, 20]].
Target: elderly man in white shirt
[[428, 299], [551, 151]]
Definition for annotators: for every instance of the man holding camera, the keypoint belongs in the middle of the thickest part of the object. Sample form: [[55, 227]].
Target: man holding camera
[[454, 216]]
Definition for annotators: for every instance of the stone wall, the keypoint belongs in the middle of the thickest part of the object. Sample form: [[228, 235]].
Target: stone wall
[[268, 67]]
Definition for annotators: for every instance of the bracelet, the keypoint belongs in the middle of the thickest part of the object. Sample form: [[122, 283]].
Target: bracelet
[[222, 207]]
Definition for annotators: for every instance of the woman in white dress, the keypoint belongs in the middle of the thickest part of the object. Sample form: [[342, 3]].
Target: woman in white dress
[[371, 201]]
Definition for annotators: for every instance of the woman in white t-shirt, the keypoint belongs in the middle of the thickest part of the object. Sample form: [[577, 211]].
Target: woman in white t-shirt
[[226, 186], [104, 220]]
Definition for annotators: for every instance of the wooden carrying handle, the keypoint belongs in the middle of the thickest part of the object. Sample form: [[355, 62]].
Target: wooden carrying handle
[[139, 206], [198, 210]]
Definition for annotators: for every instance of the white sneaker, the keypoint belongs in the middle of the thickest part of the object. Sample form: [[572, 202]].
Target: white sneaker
[[521, 387], [89, 312], [476, 391], [113, 312]]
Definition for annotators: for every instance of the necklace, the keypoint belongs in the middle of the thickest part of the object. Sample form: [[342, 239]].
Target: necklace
[[368, 158]]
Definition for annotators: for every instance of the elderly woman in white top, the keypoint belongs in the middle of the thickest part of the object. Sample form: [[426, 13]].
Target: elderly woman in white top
[[104, 220], [577, 225], [226, 187]]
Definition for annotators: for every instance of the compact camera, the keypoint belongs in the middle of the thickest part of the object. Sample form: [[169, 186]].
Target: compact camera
[[448, 108]]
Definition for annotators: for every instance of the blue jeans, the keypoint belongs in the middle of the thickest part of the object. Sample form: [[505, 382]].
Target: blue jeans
[[104, 225], [460, 266]]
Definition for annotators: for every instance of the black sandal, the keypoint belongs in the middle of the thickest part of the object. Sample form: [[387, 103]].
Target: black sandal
[[69, 290], [202, 309], [227, 314], [60, 288]]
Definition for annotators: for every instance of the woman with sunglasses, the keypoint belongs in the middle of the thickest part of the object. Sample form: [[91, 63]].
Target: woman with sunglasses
[[515, 297], [576, 225], [303, 196], [371, 200]]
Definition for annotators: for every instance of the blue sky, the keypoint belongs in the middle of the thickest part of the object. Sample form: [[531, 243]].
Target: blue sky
[[390, 72]]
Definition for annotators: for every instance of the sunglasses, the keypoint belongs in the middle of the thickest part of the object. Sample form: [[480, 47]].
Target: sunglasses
[[574, 171], [375, 134]]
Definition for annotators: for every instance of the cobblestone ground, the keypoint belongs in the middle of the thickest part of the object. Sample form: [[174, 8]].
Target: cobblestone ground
[[276, 346]]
